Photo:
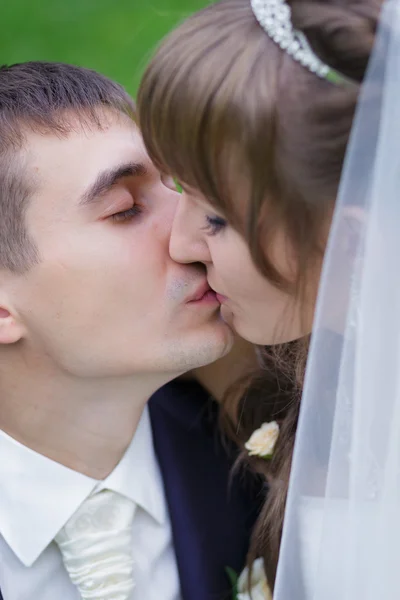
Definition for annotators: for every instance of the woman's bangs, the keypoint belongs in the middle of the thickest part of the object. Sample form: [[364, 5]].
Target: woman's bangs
[[186, 113]]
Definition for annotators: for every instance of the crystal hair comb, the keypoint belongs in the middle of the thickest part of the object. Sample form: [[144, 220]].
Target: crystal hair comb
[[275, 17]]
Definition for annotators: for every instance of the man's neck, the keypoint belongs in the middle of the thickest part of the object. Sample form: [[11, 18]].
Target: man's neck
[[83, 424]]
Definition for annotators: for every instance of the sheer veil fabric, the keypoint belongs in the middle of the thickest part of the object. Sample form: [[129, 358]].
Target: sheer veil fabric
[[341, 538]]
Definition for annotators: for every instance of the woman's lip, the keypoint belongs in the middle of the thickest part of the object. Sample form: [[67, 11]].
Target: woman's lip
[[221, 299], [209, 297]]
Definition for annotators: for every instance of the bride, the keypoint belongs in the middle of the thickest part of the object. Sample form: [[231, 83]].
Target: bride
[[250, 105]]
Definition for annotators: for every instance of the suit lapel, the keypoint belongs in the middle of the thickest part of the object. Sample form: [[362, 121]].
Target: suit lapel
[[211, 520]]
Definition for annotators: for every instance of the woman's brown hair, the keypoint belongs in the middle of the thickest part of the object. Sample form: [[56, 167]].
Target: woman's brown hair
[[223, 109]]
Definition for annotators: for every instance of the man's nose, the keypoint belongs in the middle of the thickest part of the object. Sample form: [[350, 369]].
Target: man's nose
[[188, 243], [165, 214]]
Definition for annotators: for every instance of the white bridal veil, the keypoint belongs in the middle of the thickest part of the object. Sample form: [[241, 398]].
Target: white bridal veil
[[341, 538]]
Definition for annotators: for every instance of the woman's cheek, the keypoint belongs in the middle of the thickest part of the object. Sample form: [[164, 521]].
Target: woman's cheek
[[227, 315]]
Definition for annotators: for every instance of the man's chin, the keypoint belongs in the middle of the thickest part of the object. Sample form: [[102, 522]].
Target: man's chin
[[220, 343], [208, 345]]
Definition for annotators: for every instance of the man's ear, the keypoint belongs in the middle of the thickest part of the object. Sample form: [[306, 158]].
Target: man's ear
[[11, 328]]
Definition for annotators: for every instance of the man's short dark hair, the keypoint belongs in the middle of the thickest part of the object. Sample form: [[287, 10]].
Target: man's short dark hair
[[45, 98]]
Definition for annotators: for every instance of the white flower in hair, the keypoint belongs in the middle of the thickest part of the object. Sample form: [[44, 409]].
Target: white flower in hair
[[262, 441], [259, 589]]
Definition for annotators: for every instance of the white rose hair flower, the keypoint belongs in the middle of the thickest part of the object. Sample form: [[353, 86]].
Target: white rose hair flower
[[259, 585], [262, 441]]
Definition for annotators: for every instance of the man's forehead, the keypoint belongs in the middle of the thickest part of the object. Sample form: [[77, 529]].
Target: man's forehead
[[81, 132], [75, 159]]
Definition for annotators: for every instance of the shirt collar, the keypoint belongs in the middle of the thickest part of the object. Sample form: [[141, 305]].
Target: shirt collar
[[39, 495], [137, 476]]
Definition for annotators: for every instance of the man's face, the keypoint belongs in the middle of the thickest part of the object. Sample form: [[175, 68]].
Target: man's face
[[106, 299]]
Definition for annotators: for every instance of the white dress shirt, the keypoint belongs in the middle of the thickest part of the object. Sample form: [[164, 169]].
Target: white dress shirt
[[38, 496]]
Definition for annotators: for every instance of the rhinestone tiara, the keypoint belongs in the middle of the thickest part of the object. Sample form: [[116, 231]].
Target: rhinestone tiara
[[275, 17]]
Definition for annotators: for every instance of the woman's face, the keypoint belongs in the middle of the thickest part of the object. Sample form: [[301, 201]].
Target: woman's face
[[256, 309]]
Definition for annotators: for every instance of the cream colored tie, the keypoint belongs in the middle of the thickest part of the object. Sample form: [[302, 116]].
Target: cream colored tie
[[96, 546]]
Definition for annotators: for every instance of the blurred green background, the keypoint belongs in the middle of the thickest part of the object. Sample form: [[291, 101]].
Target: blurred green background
[[115, 37]]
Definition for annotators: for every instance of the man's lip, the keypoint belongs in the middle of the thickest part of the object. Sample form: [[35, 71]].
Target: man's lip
[[220, 297], [199, 293]]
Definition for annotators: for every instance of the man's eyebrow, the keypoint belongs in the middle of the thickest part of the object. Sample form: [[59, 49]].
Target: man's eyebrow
[[107, 179]]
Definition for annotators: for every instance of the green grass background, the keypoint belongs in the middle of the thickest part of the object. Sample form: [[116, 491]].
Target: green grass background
[[115, 37]]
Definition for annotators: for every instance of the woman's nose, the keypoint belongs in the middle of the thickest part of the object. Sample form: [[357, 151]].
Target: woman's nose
[[188, 243]]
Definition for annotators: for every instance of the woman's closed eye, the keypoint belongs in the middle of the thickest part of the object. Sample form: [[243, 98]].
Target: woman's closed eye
[[214, 225]]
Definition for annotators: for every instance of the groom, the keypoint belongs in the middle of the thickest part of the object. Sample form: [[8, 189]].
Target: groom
[[101, 495]]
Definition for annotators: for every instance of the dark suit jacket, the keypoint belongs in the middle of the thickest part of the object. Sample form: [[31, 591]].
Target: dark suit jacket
[[211, 516], [211, 520]]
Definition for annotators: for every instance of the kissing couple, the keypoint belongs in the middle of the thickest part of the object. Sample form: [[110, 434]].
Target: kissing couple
[[138, 321]]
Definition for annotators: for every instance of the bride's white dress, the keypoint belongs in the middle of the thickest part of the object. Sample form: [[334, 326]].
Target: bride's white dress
[[323, 543]]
